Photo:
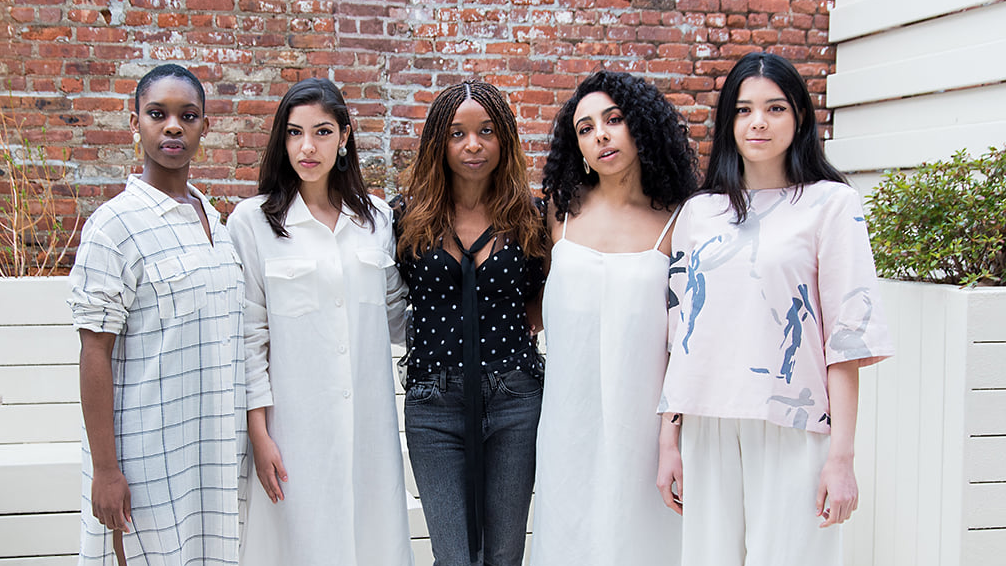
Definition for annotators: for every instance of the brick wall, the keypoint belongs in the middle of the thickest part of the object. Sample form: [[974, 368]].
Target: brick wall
[[69, 68]]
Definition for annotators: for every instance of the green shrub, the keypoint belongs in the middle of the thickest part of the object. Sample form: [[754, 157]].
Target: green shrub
[[944, 223]]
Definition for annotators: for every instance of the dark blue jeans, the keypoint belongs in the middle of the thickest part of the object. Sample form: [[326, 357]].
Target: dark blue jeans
[[434, 429]]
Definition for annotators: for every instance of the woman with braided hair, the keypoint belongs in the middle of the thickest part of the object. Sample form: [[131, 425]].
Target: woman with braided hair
[[471, 245], [619, 166]]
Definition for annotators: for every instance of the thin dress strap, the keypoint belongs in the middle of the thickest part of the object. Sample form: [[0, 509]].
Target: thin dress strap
[[667, 227], [565, 217]]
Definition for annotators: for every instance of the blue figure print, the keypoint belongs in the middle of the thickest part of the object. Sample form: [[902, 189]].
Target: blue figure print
[[672, 299], [846, 337], [794, 331], [798, 403], [697, 286]]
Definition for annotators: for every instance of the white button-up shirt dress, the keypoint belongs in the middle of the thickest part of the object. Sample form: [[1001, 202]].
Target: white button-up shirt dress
[[322, 308]]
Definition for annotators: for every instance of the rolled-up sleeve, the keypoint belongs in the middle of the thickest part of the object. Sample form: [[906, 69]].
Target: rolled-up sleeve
[[101, 287]]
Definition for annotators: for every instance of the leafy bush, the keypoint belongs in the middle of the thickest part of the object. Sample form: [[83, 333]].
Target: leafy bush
[[944, 223]]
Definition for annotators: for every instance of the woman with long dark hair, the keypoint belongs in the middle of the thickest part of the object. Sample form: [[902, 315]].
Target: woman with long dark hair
[[471, 246], [779, 310], [619, 166], [324, 301]]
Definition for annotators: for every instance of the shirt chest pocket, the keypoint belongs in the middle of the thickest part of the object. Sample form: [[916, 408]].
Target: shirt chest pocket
[[291, 286], [179, 283], [370, 281]]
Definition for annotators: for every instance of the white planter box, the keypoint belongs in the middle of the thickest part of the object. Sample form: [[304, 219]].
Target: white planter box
[[39, 423], [931, 441]]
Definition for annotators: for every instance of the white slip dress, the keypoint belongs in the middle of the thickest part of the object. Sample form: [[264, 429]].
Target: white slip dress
[[596, 499]]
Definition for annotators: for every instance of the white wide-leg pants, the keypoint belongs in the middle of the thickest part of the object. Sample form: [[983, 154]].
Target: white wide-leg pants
[[749, 493]]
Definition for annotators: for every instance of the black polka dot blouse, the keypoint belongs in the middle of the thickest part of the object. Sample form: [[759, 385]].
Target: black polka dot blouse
[[505, 282]]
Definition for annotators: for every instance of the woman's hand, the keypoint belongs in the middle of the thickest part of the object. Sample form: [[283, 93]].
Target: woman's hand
[[669, 471], [269, 467], [268, 461], [838, 490], [110, 502]]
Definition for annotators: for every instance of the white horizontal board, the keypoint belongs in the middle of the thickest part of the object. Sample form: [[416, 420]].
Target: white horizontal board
[[923, 113], [39, 384], [903, 150], [955, 52], [984, 548], [985, 459], [987, 366], [986, 413], [40, 423], [65, 560], [853, 18], [30, 345], [39, 478], [862, 182], [34, 300], [39, 535], [987, 312], [985, 505]]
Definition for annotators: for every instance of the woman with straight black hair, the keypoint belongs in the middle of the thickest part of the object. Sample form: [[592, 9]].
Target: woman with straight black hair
[[779, 308], [324, 302]]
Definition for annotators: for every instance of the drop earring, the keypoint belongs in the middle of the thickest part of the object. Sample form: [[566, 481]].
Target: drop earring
[[137, 150], [586, 168], [342, 163]]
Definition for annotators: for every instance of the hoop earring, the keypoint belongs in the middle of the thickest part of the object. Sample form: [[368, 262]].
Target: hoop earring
[[586, 168], [137, 150], [201, 154]]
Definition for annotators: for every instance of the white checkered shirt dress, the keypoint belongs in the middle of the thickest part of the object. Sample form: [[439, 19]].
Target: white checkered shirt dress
[[146, 272]]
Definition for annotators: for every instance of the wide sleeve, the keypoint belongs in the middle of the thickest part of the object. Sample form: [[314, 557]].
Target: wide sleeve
[[854, 326], [102, 287], [677, 282], [241, 226]]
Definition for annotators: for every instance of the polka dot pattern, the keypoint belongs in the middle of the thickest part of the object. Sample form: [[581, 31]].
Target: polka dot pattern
[[504, 283]]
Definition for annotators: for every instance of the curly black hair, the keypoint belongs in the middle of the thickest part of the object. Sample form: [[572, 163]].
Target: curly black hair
[[667, 159]]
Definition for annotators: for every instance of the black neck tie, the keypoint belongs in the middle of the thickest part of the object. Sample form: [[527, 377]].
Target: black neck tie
[[472, 367]]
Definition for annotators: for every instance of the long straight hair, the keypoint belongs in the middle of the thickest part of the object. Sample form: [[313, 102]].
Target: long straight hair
[[279, 181], [805, 160], [429, 215]]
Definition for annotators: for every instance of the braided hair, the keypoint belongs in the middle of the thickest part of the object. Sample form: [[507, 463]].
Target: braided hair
[[429, 216]]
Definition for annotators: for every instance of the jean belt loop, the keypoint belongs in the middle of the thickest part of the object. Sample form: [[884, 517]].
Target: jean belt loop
[[443, 380]]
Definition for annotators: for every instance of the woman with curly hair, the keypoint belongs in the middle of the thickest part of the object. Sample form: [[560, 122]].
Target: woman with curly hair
[[619, 166], [471, 245]]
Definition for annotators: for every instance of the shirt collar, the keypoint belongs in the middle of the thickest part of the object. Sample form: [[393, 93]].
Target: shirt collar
[[298, 213], [161, 203]]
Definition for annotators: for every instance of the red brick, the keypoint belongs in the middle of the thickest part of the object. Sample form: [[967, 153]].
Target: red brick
[[202, 21], [43, 67], [720, 35], [108, 137], [803, 21], [661, 34], [210, 5], [698, 5], [592, 49], [765, 36], [44, 33], [107, 104], [83, 16], [257, 107], [22, 14], [245, 157], [63, 51], [100, 85], [771, 6], [136, 18], [262, 6], [731, 51], [734, 5], [71, 85], [210, 38], [101, 35], [669, 67]]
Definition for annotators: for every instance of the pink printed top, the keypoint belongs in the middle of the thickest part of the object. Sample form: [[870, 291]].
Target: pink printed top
[[760, 309]]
